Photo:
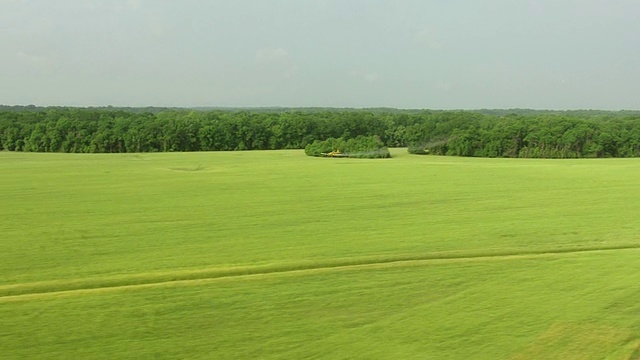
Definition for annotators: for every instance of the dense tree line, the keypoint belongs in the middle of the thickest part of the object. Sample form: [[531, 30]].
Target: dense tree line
[[479, 133], [547, 136], [112, 131]]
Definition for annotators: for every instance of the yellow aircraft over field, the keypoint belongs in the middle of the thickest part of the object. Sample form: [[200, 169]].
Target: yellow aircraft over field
[[335, 153]]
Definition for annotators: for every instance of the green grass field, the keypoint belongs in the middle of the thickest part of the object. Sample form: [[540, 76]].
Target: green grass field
[[276, 255]]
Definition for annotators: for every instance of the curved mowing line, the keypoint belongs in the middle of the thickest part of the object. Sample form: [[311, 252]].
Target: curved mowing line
[[154, 279]]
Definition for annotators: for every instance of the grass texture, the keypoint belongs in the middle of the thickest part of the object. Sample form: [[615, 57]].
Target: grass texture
[[278, 255]]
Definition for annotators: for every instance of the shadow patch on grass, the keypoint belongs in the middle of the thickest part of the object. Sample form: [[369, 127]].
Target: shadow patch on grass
[[189, 169], [576, 341]]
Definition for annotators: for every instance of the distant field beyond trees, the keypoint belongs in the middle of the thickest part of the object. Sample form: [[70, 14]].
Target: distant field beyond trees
[[498, 133]]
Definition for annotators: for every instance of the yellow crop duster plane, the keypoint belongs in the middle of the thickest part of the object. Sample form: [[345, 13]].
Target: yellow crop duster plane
[[335, 153]]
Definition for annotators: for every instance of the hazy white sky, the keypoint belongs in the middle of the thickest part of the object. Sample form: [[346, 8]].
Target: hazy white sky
[[437, 54]]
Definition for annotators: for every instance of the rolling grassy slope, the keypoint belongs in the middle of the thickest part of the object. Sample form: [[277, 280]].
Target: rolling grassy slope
[[554, 307], [278, 255]]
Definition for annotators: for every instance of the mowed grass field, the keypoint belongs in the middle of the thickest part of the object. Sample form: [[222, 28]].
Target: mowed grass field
[[275, 255]]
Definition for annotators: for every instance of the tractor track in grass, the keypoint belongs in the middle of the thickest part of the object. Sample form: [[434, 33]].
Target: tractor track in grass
[[36, 290]]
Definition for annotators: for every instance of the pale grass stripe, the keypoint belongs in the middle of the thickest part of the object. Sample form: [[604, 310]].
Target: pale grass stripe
[[33, 291]]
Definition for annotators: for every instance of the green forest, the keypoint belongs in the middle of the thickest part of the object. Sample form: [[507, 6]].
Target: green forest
[[482, 133]]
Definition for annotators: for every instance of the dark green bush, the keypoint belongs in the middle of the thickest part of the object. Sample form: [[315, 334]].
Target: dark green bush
[[370, 147]]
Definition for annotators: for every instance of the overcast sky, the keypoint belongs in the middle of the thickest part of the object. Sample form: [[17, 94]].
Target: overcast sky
[[436, 54]]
